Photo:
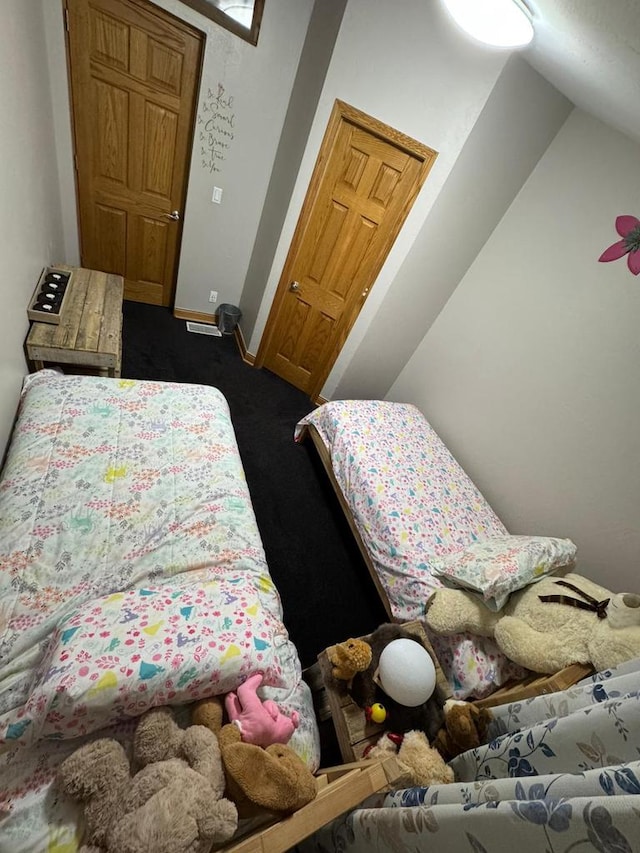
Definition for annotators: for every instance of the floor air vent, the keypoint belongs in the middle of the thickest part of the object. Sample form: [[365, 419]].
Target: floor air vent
[[203, 329]]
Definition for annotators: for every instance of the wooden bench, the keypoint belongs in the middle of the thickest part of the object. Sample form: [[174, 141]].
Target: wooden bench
[[89, 334]]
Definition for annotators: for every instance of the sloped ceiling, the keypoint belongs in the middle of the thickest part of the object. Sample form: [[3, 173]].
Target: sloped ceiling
[[590, 51]]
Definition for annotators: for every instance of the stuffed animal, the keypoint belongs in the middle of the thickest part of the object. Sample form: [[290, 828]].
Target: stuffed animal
[[366, 691], [259, 720], [420, 764], [167, 807], [548, 625], [275, 778], [347, 658], [465, 727]]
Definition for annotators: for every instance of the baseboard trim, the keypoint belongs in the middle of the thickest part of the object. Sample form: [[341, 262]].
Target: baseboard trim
[[247, 356], [197, 316], [319, 401]]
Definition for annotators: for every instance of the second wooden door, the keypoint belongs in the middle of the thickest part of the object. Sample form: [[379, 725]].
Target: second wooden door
[[365, 181], [134, 80]]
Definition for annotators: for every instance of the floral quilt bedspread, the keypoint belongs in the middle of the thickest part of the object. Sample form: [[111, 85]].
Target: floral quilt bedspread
[[132, 574], [411, 501]]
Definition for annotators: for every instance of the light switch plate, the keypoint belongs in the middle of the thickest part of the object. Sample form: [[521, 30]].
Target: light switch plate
[[216, 198]]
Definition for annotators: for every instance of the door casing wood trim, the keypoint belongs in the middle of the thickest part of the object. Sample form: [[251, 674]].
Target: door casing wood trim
[[341, 112], [149, 8]]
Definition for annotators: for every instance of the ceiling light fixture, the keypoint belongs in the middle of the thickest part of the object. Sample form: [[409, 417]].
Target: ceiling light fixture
[[499, 23]]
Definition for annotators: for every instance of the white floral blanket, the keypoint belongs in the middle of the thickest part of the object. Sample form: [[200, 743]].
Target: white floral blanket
[[132, 574], [411, 501]]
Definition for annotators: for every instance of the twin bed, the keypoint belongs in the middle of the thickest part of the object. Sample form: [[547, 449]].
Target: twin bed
[[408, 500], [132, 574]]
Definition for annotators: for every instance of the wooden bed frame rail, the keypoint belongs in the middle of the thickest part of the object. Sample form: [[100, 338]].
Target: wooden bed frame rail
[[316, 438], [340, 789]]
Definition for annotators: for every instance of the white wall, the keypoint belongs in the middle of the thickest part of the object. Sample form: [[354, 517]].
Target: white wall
[[62, 128], [312, 68], [409, 68], [30, 226], [520, 118], [530, 373], [217, 239]]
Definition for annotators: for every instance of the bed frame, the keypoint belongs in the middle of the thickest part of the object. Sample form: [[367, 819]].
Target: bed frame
[[325, 458], [340, 789], [534, 684]]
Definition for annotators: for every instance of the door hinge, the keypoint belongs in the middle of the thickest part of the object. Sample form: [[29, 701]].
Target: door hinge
[[75, 162], [66, 19]]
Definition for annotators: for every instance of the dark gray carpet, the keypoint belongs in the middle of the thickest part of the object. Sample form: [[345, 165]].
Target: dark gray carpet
[[327, 594]]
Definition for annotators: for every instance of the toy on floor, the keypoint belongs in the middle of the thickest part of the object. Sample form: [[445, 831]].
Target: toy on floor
[[420, 764], [347, 658], [465, 727], [401, 678], [169, 806], [275, 779], [548, 625], [377, 713], [259, 721]]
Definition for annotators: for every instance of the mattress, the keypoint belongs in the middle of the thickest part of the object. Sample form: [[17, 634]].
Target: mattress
[[410, 501], [132, 574]]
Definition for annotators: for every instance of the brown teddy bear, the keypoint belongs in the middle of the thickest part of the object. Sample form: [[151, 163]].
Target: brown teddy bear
[[275, 778], [168, 806], [465, 727], [365, 691], [348, 658]]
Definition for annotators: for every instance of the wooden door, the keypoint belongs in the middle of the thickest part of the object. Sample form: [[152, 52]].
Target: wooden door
[[364, 183], [134, 80]]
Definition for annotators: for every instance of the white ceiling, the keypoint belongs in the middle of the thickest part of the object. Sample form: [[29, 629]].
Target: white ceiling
[[590, 51]]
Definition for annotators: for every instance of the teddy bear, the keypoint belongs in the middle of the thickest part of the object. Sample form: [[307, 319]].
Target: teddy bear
[[419, 763], [548, 625], [465, 727], [366, 691], [347, 658], [259, 720], [274, 778], [168, 806]]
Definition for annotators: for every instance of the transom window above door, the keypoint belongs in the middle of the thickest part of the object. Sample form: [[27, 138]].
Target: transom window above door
[[241, 17]]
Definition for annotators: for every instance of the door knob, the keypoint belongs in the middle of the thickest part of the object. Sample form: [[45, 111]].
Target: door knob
[[175, 215], [294, 286]]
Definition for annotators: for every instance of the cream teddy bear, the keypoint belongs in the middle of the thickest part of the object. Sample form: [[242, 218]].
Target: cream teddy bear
[[602, 628]]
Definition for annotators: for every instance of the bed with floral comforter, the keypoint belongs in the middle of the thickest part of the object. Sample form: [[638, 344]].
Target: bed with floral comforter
[[132, 574], [410, 501]]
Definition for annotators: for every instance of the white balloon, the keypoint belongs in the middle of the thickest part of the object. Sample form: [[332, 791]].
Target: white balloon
[[406, 672]]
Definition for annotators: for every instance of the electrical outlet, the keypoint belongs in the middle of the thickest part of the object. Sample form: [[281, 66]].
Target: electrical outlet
[[213, 296]]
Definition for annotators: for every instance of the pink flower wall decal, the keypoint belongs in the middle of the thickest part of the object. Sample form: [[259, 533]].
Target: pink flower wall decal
[[628, 227]]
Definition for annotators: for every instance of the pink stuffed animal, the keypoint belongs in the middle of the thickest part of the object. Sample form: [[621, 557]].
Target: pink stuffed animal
[[260, 722]]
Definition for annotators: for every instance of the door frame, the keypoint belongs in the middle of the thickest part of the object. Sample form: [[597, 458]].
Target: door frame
[[151, 8], [340, 112]]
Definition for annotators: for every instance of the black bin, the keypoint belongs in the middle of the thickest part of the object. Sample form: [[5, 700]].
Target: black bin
[[228, 316]]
